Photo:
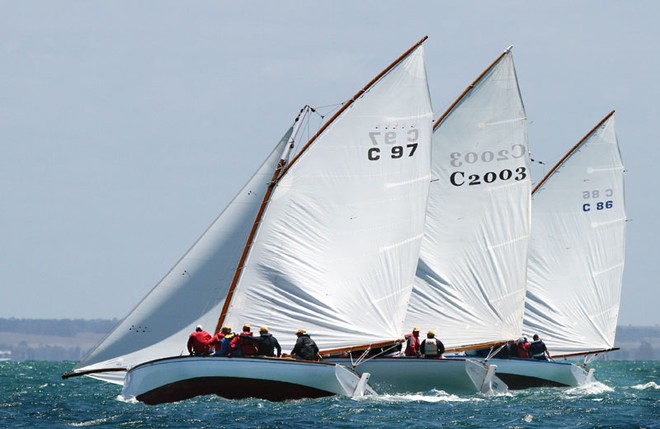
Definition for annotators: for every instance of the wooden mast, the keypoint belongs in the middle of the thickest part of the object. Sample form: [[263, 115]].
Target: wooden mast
[[571, 152], [469, 88], [276, 175], [282, 168]]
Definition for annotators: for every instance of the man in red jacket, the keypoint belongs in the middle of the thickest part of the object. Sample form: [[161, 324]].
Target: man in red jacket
[[412, 343], [246, 342], [198, 342]]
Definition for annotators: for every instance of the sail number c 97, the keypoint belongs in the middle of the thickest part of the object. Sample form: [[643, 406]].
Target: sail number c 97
[[398, 144]]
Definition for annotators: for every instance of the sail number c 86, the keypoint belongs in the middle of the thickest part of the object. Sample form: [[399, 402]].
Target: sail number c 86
[[402, 143], [601, 197]]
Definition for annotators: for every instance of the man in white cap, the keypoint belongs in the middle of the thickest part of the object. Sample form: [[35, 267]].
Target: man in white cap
[[198, 342]]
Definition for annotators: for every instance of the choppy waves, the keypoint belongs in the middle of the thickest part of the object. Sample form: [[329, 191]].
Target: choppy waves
[[626, 394]]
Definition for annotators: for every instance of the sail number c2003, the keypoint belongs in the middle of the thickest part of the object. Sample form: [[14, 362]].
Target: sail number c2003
[[457, 159], [401, 143], [458, 178]]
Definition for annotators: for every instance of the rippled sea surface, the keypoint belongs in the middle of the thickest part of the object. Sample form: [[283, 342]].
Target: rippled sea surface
[[626, 395]]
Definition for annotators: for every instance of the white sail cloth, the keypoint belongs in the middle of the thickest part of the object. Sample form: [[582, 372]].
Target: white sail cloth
[[337, 246], [336, 250], [471, 278], [577, 249], [192, 292]]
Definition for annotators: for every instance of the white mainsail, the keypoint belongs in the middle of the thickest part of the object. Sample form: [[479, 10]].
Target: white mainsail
[[336, 250], [336, 247], [192, 292], [471, 278], [577, 249]]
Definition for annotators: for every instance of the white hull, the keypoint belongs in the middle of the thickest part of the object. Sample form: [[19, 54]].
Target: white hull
[[179, 378], [410, 374], [526, 373]]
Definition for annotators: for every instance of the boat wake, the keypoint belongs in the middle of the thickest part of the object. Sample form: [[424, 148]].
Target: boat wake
[[649, 385], [593, 388], [432, 396], [131, 400]]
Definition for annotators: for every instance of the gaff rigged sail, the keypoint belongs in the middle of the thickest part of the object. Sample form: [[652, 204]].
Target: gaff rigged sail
[[471, 278], [577, 249]]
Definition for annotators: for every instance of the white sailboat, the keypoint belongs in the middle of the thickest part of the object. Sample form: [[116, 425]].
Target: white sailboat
[[470, 280], [576, 261], [309, 242]]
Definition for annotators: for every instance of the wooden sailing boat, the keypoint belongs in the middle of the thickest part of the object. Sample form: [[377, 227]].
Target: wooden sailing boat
[[470, 280], [327, 229], [576, 261]]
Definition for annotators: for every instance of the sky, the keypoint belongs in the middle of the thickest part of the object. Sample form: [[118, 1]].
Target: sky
[[126, 127]]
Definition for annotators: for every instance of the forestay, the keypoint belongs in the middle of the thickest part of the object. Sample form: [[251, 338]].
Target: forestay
[[470, 282], [337, 247], [192, 292], [578, 247]]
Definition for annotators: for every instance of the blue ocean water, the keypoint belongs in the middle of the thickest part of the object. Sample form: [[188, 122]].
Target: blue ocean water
[[627, 395]]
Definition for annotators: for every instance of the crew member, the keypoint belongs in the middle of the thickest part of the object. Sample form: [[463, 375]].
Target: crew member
[[216, 341], [538, 350], [522, 348], [246, 342], [198, 342], [412, 343], [431, 347], [305, 348], [266, 343]]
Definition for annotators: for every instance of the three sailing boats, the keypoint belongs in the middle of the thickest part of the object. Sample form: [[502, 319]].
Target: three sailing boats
[[470, 280], [327, 239], [576, 261]]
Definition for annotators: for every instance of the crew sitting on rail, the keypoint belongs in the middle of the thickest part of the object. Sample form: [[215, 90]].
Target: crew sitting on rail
[[431, 347]]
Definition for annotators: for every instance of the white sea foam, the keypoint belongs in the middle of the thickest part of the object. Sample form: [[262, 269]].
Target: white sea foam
[[431, 397], [130, 400], [593, 388], [89, 423], [649, 385]]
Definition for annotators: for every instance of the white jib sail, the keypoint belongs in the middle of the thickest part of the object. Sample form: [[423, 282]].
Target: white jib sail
[[577, 249], [192, 292], [470, 283], [336, 250]]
